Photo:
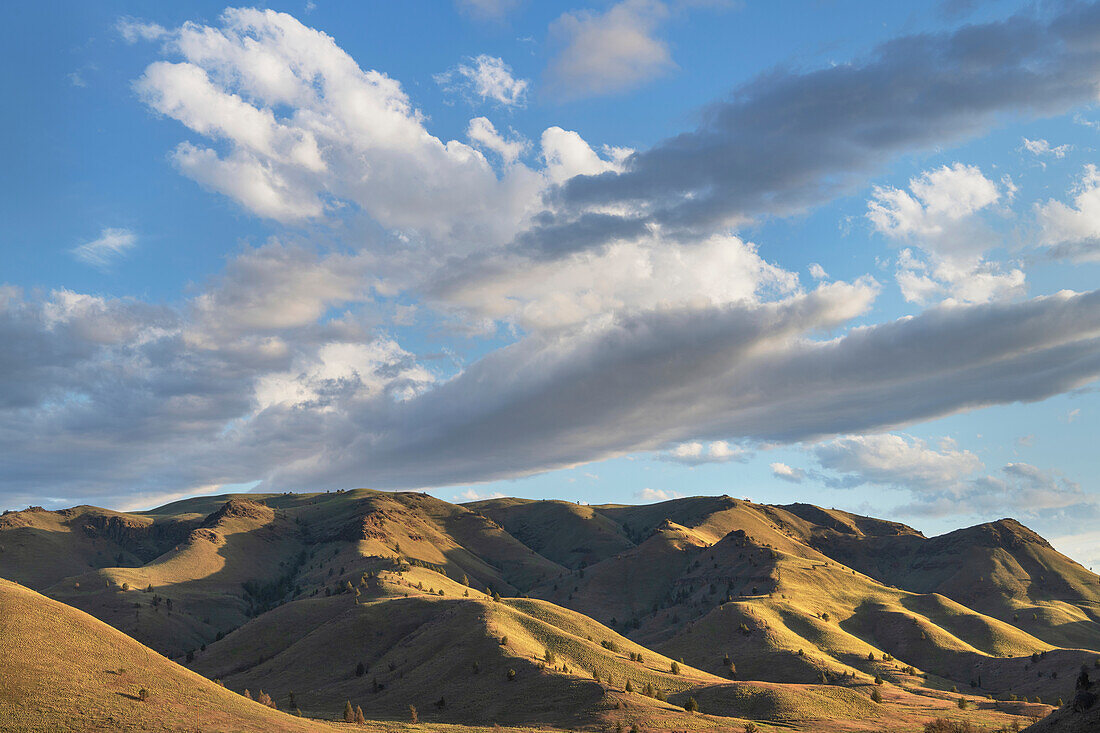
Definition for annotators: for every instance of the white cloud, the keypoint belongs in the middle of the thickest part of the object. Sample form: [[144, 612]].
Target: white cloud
[[1073, 231], [786, 473], [486, 78], [1042, 147], [307, 132], [474, 495], [817, 272], [566, 154], [938, 216], [649, 273], [609, 52], [133, 30], [111, 244], [650, 496], [696, 453], [483, 134], [896, 460]]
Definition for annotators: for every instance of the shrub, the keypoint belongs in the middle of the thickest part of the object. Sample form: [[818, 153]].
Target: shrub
[[961, 702], [876, 696], [943, 725], [504, 641], [691, 706], [629, 687], [511, 675], [751, 728], [550, 658], [349, 713], [413, 717], [143, 694], [878, 680], [675, 668], [870, 656], [247, 694], [496, 597]]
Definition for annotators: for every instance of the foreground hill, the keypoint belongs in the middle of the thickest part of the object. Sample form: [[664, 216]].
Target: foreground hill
[[789, 615], [64, 670]]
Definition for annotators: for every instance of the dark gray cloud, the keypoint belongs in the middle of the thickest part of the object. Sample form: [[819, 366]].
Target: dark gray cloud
[[791, 139], [652, 380]]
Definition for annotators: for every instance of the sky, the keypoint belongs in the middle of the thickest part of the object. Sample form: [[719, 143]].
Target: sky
[[844, 253]]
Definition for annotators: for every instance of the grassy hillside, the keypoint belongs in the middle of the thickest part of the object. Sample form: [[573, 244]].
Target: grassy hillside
[[64, 670], [782, 614]]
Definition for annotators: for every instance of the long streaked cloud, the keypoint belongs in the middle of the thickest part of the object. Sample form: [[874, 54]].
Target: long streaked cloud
[[752, 157]]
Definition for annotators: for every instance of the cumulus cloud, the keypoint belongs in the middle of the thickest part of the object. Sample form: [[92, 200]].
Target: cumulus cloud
[[896, 460], [785, 473], [648, 273], [609, 52], [486, 78], [938, 215], [1021, 488], [1073, 230], [298, 124], [111, 244], [482, 133], [817, 272], [944, 480], [650, 496], [695, 453]]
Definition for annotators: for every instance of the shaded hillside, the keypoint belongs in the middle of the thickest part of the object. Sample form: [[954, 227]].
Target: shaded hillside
[[464, 660]]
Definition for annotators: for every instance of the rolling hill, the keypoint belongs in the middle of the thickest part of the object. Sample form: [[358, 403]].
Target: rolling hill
[[530, 613]]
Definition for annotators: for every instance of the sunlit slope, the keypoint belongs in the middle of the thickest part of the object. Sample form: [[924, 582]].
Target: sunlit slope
[[39, 548], [185, 597], [1001, 568], [64, 670]]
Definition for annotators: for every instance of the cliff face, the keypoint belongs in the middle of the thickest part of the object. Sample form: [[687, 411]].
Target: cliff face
[[137, 535]]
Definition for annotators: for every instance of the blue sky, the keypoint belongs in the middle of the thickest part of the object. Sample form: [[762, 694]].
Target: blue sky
[[836, 252]]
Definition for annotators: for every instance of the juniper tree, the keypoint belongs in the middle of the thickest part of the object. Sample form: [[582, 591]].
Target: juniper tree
[[691, 706], [359, 716], [349, 713]]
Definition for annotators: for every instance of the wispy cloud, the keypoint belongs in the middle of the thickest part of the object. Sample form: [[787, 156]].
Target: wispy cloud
[[485, 78], [103, 252]]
